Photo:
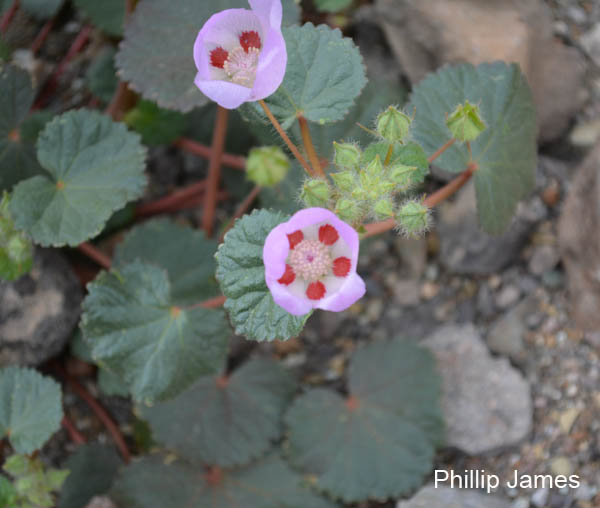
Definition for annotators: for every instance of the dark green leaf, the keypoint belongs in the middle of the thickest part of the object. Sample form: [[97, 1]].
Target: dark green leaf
[[225, 421], [17, 156], [186, 254], [30, 408], [380, 442], [241, 274], [312, 86], [42, 9], [505, 152], [111, 384], [101, 76], [269, 483], [108, 15], [93, 468], [332, 5], [95, 167], [156, 126], [137, 332]]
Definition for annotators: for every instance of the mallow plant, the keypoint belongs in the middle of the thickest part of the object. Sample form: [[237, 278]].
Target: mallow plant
[[333, 158]]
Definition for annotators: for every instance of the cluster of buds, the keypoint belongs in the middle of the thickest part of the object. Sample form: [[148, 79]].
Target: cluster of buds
[[368, 184]]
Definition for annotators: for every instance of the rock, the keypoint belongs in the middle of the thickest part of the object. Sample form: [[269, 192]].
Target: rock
[[561, 466], [540, 497], [567, 418], [579, 239], [407, 292], [590, 42], [506, 334], [445, 497], [544, 259], [486, 402], [38, 311], [101, 502], [426, 35], [467, 249], [508, 296], [585, 134]]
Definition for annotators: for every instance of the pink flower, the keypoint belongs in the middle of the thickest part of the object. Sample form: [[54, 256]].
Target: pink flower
[[310, 262], [240, 54]]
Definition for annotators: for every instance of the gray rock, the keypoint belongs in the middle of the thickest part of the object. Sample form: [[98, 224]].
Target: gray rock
[[38, 311], [426, 35], [467, 249], [506, 334], [101, 502], [579, 239], [508, 296], [544, 259], [486, 402], [590, 42], [540, 497], [445, 497]]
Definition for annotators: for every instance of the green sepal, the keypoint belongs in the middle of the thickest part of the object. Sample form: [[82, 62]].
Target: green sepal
[[267, 165], [414, 218], [384, 209], [344, 180], [315, 192], [349, 210], [465, 122], [393, 125], [346, 155]]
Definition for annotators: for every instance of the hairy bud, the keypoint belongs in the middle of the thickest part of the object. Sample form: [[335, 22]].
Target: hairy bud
[[348, 210], [344, 180], [346, 155], [267, 165], [315, 193], [465, 122], [413, 218], [393, 125], [384, 209]]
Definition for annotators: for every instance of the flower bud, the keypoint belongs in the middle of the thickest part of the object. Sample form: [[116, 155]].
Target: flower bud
[[384, 209], [393, 125], [348, 210], [465, 122], [16, 250], [315, 193], [346, 155], [413, 218], [374, 169], [267, 165], [402, 175], [344, 180]]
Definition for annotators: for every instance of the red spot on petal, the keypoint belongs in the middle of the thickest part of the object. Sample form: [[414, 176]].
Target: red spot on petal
[[288, 277], [315, 290], [295, 238], [218, 57], [341, 266], [250, 40], [328, 234]]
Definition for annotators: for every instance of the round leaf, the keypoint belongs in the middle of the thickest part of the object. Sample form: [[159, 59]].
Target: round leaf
[[108, 15], [101, 76], [185, 253], [136, 331], [30, 408], [241, 274], [93, 468], [225, 423], [42, 9], [380, 442], [269, 483], [505, 152], [332, 5], [95, 167]]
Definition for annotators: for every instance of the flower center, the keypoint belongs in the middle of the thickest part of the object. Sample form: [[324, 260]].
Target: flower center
[[241, 66], [310, 259]]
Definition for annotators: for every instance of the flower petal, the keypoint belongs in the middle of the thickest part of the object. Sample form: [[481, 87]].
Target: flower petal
[[282, 297], [269, 10], [225, 94], [272, 64], [352, 290], [275, 252]]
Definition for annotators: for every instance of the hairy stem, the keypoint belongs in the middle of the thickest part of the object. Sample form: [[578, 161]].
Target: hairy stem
[[212, 303], [42, 36], [431, 201], [8, 16], [310, 147], [95, 254], [229, 160], [214, 170], [441, 150], [286, 138], [74, 434]]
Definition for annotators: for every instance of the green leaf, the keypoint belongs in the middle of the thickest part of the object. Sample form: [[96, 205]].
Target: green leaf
[[185, 253], [5, 53], [225, 421], [17, 156], [108, 15], [111, 384], [137, 332], [312, 86], [101, 77], [30, 408], [16, 250], [241, 274], [93, 468], [155, 56], [42, 9], [505, 152], [8, 494], [332, 5], [95, 167], [380, 442], [269, 483], [156, 126]]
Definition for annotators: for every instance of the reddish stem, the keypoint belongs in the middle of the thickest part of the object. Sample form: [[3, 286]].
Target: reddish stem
[[441, 150], [95, 254], [229, 160], [241, 210], [99, 411], [213, 303], [50, 86], [309, 146], [214, 170], [122, 100], [432, 200], [42, 36], [8, 16], [74, 434]]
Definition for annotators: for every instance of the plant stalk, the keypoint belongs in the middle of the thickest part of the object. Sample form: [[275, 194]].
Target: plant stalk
[[310, 147]]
